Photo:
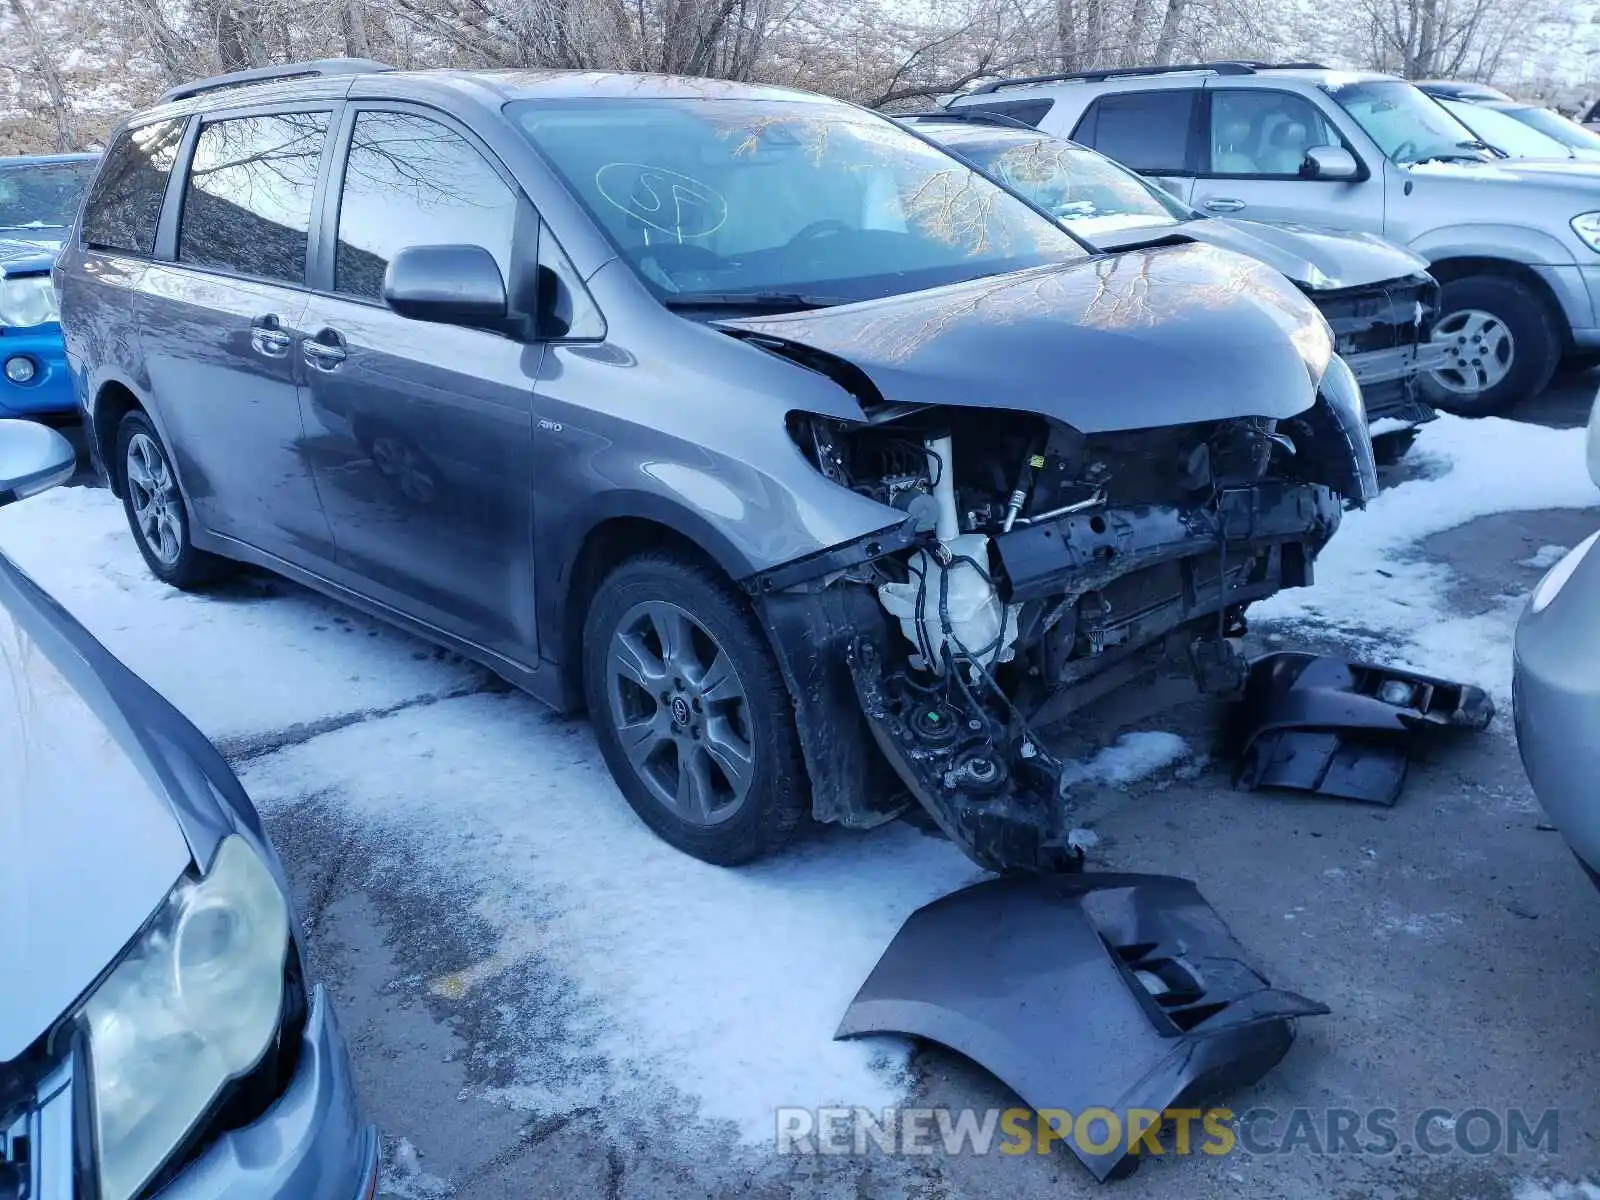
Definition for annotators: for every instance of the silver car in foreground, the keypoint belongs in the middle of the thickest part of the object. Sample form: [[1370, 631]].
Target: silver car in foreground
[[1557, 689], [158, 1033]]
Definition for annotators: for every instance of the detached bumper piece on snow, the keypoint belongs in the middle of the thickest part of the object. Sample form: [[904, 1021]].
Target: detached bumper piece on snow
[[1317, 724], [1118, 992]]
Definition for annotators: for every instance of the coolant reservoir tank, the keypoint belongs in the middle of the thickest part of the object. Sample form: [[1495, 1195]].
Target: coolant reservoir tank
[[956, 601]]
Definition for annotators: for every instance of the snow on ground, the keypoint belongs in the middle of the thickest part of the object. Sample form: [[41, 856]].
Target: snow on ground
[[255, 657], [1133, 757], [722, 987], [725, 985], [1370, 586], [406, 1178], [1546, 557], [1560, 1189]]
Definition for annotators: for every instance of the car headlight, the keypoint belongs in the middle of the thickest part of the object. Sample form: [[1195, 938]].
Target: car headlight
[[1313, 338], [27, 300], [1587, 227], [1556, 578], [194, 1004]]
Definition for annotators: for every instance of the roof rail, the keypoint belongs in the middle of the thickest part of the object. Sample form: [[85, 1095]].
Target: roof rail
[[978, 116], [1225, 67], [300, 70]]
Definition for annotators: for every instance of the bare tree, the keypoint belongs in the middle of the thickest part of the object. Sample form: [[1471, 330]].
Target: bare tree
[[44, 65]]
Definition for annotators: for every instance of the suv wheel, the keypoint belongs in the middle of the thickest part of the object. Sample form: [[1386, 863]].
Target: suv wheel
[[155, 508], [1503, 346], [691, 713]]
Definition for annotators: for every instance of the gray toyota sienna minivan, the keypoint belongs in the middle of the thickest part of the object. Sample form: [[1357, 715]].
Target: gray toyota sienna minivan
[[814, 464]]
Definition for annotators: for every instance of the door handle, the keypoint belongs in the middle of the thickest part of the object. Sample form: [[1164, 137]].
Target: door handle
[[1224, 204], [268, 338], [324, 349]]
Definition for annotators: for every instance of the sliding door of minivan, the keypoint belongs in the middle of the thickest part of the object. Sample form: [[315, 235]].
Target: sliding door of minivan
[[222, 327]]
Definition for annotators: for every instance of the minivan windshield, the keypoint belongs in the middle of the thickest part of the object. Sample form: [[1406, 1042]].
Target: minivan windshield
[[1084, 190], [1407, 125], [731, 198]]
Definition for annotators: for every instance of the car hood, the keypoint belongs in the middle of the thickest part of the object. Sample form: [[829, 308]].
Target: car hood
[[118, 794], [1162, 336], [24, 258], [1317, 259], [1578, 174], [48, 238], [91, 846]]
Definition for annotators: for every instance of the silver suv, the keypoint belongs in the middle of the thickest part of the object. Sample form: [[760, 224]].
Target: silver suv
[[1515, 243]]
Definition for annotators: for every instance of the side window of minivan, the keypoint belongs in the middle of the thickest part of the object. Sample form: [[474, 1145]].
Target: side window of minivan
[[412, 181], [124, 205], [1148, 131], [247, 201]]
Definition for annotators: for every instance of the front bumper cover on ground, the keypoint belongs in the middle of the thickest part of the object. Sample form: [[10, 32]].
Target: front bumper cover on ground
[[1121, 993], [1319, 724]]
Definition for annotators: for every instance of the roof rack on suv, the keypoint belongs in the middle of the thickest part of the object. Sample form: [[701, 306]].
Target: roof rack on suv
[[300, 70], [1225, 67], [978, 116]]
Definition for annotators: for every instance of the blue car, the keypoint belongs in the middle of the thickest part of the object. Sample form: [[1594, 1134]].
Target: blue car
[[39, 197], [159, 1030]]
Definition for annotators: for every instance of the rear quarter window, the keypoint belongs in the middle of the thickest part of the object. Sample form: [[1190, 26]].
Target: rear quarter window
[[124, 203], [1148, 131]]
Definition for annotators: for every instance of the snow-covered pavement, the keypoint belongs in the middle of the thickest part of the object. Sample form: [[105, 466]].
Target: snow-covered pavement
[[513, 951]]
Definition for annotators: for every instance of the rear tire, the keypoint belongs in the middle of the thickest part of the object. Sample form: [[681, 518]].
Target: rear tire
[[1504, 346], [691, 712], [156, 511]]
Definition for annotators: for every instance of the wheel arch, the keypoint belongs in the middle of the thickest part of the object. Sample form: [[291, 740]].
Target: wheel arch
[[626, 525], [114, 399], [1463, 266]]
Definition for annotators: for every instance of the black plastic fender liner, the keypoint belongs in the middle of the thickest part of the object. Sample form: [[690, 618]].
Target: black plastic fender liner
[[1315, 723], [981, 775], [1096, 991]]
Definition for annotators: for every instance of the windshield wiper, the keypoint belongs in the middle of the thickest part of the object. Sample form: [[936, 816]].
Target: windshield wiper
[[776, 301], [1443, 157]]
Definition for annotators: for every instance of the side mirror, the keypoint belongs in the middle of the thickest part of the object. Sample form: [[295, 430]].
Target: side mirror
[[33, 459], [1330, 162], [448, 285]]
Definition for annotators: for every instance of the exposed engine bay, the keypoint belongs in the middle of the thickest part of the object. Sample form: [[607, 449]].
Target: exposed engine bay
[[1037, 568]]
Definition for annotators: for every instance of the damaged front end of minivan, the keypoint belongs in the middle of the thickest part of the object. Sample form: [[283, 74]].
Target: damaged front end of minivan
[[1049, 549]]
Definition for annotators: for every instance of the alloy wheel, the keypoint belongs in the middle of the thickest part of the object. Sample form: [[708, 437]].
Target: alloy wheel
[[154, 495], [1480, 351], [681, 712]]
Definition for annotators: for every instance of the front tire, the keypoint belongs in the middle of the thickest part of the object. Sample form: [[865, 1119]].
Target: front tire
[[1503, 346], [155, 508], [690, 710]]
